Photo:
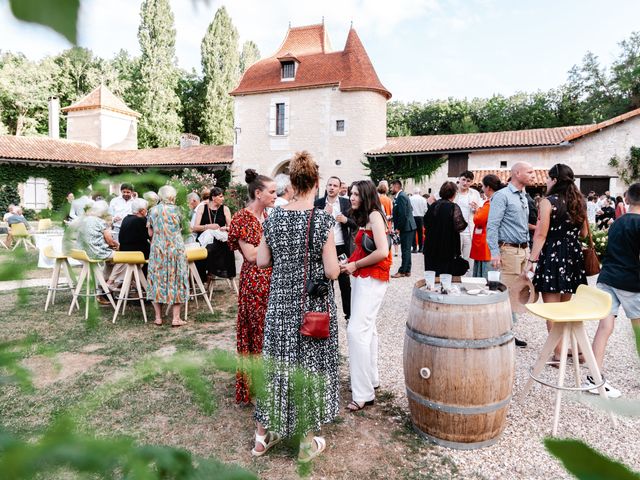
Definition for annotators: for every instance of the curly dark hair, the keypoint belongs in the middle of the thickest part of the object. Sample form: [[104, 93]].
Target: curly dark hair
[[570, 198], [369, 202]]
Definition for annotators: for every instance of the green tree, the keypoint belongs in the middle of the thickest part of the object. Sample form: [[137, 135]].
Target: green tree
[[157, 99], [191, 93], [221, 68], [250, 55], [25, 87], [626, 70]]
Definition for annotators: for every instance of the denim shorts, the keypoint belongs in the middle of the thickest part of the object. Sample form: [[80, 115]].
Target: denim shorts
[[630, 301]]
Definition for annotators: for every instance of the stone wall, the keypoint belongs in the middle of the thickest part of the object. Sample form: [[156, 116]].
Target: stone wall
[[104, 128], [312, 120]]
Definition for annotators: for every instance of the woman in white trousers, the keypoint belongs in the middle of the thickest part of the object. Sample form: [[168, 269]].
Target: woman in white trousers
[[369, 266]]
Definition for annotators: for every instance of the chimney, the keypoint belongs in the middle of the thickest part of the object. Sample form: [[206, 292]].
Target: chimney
[[189, 140], [54, 117]]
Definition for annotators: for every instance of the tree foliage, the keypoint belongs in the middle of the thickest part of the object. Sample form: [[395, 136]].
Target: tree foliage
[[221, 69], [158, 102], [250, 55]]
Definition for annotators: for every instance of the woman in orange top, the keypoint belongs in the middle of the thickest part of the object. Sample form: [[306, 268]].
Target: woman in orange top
[[479, 248], [369, 284]]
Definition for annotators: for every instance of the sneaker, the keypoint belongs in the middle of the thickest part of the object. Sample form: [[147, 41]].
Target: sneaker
[[611, 391], [521, 343]]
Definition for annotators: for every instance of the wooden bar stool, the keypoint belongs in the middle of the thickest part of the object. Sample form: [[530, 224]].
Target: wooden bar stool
[[568, 319], [195, 282], [134, 262], [60, 261], [230, 281], [90, 270]]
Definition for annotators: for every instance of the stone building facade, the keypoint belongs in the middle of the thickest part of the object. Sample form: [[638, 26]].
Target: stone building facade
[[308, 97]]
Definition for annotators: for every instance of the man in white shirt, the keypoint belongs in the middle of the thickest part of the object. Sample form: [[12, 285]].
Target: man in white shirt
[[338, 207], [592, 209], [468, 199], [419, 204], [120, 207]]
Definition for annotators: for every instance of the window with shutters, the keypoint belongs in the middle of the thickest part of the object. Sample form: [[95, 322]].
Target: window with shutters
[[280, 116], [36, 194], [288, 70]]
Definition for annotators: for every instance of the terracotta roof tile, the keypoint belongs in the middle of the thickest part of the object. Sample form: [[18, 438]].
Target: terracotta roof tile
[[60, 151], [101, 97], [504, 174], [599, 126], [477, 141], [350, 69]]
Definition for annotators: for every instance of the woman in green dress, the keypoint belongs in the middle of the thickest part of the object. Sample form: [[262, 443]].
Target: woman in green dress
[[168, 272]]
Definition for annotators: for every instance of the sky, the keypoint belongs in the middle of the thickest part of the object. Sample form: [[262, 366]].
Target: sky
[[421, 49]]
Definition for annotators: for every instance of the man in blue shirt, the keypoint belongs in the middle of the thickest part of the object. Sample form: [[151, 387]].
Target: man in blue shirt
[[508, 227]]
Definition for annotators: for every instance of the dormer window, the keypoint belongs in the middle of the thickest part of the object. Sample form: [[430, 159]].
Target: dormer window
[[288, 70]]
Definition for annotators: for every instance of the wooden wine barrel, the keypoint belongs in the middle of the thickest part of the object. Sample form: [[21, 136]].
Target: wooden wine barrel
[[459, 366]]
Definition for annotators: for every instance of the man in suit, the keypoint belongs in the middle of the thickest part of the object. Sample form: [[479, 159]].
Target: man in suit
[[405, 225], [338, 207]]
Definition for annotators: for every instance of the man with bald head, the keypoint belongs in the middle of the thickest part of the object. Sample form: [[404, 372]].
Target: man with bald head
[[508, 227]]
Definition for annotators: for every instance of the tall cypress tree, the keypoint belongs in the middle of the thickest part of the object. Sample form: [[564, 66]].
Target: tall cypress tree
[[221, 69], [158, 102], [250, 55]]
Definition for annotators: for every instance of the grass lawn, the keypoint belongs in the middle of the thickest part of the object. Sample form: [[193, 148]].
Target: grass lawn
[[118, 380]]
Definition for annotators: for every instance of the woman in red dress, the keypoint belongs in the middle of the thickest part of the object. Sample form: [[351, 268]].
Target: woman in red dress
[[245, 233]]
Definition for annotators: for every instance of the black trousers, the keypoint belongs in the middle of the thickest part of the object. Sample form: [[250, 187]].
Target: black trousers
[[406, 240], [345, 284], [418, 245]]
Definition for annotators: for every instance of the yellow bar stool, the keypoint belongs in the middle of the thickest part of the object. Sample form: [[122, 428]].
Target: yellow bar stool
[[134, 262], [60, 261], [230, 281], [21, 236], [90, 269], [195, 282], [567, 320]]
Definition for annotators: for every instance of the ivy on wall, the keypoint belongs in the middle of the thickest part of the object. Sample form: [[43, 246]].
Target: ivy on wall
[[629, 167], [61, 181], [402, 167]]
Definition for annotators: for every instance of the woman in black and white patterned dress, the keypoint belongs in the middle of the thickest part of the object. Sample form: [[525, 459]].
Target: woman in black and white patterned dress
[[557, 250], [287, 409]]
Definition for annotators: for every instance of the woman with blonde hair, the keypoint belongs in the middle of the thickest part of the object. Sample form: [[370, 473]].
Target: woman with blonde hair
[[298, 241], [167, 272]]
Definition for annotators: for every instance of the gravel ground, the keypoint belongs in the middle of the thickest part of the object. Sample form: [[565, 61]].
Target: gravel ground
[[520, 452]]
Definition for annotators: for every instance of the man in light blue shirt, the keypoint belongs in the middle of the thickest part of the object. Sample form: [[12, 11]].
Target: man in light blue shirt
[[508, 227]]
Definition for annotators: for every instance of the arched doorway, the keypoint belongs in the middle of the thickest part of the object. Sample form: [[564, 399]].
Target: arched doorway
[[282, 168]]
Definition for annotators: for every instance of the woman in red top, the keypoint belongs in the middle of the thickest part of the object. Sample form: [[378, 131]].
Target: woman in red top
[[479, 248], [370, 279]]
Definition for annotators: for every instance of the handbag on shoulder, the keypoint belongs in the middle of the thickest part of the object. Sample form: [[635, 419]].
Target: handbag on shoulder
[[369, 244], [591, 261], [314, 324]]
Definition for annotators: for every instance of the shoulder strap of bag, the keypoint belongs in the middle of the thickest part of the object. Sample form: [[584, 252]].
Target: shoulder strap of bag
[[306, 258], [589, 234]]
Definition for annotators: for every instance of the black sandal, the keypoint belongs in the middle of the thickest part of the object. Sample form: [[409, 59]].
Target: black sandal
[[354, 406]]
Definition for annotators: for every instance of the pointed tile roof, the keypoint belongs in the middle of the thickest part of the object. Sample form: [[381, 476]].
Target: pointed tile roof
[[101, 97], [318, 66]]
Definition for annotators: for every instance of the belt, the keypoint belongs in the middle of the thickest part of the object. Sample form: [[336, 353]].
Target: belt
[[515, 245]]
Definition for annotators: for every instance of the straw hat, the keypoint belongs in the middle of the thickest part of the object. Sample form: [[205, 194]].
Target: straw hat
[[521, 292]]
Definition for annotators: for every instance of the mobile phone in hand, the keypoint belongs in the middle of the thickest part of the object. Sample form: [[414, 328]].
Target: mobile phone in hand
[[342, 258]]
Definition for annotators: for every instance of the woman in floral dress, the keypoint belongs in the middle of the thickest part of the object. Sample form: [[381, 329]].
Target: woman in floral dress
[[168, 272], [245, 233], [301, 372]]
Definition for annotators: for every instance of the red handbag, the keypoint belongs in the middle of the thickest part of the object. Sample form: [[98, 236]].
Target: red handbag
[[314, 324]]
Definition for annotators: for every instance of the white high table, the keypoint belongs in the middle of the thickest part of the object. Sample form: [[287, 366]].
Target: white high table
[[43, 240]]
